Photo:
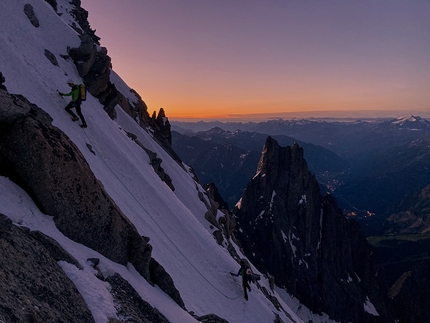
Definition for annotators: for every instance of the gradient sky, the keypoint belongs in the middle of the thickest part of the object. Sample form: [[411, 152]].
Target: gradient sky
[[226, 58]]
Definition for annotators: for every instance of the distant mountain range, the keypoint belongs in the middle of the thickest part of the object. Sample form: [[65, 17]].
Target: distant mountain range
[[229, 159], [340, 137], [372, 167]]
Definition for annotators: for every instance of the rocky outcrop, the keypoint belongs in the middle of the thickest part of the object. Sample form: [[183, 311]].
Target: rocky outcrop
[[154, 161], [51, 57], [160, 277], [46, 163], [94, 66], [163, 134], [84, 57], [81, 16], [29, 12], [2, 79], [32, 284], [53, 171], [129, 304], [288, 230], [225, 223], [138, 110], [53, 4], [162, 125], [214, 194], [55, 250]]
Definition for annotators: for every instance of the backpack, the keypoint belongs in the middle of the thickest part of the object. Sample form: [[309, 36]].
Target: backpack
[[247, 273], [82, 92]]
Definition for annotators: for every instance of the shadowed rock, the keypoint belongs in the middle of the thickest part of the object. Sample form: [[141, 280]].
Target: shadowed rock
[[46, 163], [130, 304], [29, 12], [288, 230], [33, 287]]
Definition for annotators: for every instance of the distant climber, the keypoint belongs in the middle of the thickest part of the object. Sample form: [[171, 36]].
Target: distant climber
[[75, 103], [246, 274]]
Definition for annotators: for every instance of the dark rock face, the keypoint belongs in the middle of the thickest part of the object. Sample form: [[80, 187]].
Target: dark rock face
[[53, 4], [33, 287], [214, 194], [162, 133], [226, 223], [81, 16], [138, 111], [411, 293], [286, 228], [55, 250], [94, 67], [84, 55], [160, 277], [130, 304], [228, 158], [60, 181], [162, 124], [46, 163], [2, 79]]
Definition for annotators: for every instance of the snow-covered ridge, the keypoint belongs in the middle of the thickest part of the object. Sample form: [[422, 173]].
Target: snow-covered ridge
[[410, 119]]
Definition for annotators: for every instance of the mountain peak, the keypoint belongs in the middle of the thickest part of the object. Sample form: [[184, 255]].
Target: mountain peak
[[273, 152], [216, 130], [289, 231], [410, 118]]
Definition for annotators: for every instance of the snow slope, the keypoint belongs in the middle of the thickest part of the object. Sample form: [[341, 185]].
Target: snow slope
[[181, 238]]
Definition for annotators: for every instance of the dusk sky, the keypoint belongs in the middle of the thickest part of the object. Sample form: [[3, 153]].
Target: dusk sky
[[230, 58]]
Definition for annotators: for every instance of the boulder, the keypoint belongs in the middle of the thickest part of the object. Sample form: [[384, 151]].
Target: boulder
[[33, 287], [51, 57], [29, 12], [84, 56]]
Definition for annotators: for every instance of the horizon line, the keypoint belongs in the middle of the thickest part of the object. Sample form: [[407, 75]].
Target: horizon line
[[320, 114]]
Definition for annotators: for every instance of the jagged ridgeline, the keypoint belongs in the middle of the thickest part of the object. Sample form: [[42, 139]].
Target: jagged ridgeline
[[302, 239]]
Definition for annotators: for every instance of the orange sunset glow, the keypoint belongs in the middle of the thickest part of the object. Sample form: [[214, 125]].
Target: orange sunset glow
[[235, 59]]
